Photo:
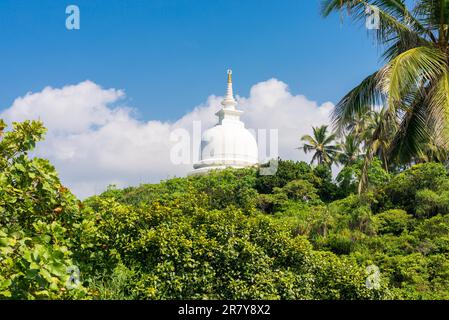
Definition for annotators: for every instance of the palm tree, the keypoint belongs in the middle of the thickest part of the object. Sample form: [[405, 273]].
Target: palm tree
[[413, 85], [377, 136], [350, 150], [356, 127], [322, 144]]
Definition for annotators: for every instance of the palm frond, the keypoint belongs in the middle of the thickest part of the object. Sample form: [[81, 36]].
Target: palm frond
[[412, 133], [358, 102], [408, 71], [438, 102], [394, 17]]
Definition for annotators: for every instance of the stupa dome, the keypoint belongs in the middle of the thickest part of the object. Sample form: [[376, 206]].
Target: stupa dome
[[229, 143]]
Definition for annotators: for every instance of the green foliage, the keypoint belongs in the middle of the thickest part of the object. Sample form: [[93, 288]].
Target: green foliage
[[322, 144], [114, 285], [326, 188], [392, 221], [38, 267], [152, 248], [228, 187], [349, 176], [340, 243], [299, 190], [410, 189], [287, 171], [37, 218], [412, 87], [271, 203], [231, 234], [431, 203], [320, 177], [180, 250]]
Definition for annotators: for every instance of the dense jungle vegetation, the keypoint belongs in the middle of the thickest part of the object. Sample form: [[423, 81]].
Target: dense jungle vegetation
[[234, 234], [378, 230]]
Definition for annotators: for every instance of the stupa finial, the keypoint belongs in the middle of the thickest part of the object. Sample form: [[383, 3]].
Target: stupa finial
[[229, 101], [229, 76]]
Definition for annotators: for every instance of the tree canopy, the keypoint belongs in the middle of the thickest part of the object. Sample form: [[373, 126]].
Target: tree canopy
[[231, 234]]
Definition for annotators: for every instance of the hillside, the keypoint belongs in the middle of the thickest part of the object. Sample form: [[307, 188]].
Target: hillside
[[231, 235]]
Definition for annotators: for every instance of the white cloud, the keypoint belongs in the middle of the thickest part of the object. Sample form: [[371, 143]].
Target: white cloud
[[93, 141], [271, 105]]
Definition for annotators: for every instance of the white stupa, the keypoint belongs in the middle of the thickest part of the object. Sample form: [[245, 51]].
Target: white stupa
[[228, 144]]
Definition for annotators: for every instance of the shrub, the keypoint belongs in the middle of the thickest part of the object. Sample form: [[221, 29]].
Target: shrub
[[403, 188], [349, 177], [429, 203], [37, 221], [299, 190], [287, 171], [392, 221]]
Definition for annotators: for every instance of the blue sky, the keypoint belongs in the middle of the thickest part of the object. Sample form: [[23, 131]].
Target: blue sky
[[170, 55]]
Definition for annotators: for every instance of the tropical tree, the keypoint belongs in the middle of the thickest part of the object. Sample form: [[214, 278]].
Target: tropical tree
[[356, 127], [413, 85], [350, 150], [322, 144], [39, 222], [378, 134]]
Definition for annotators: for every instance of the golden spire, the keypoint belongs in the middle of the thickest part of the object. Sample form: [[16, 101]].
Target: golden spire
[[229, 101], [229, 76]]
